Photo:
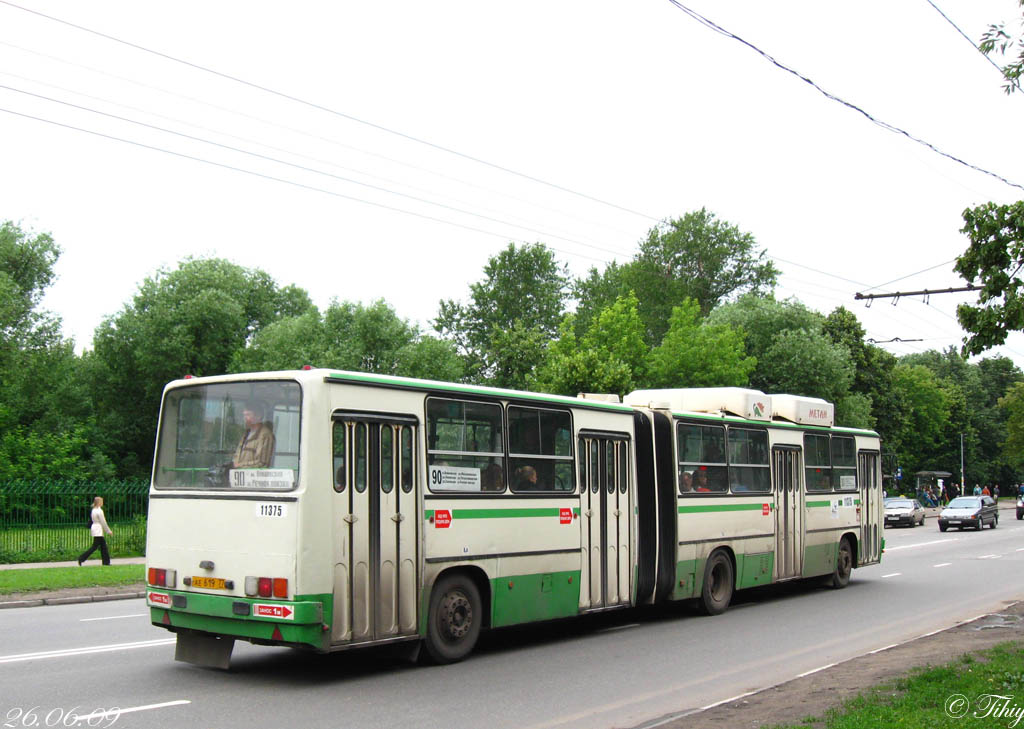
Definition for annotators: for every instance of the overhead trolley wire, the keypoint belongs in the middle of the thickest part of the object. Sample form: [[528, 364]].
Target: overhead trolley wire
[[305, 168], [301, 132], [1014, 82], [278, 179], [874, 120], [335, 112]]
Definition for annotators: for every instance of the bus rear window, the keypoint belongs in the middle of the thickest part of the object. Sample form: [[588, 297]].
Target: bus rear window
[[238, 435]]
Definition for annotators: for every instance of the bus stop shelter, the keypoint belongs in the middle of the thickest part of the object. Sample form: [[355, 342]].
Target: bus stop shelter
[[931, 478]]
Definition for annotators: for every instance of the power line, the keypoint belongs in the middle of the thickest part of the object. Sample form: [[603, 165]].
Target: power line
[[320, 107], [305, 168], [1012, 81], [883, 124], [294, 130], [279, 179], [911, 275]]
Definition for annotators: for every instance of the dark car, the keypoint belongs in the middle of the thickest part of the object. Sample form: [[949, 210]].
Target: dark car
[[973, 511], [903, 511]]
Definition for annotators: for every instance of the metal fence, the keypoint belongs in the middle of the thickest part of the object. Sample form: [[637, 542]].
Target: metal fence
[[44, 521]]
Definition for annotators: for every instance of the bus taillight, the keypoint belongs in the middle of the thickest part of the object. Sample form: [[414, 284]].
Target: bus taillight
[[266, 587], [162, 577]]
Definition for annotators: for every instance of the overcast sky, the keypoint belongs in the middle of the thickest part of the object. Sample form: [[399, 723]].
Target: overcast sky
[[356, 181]]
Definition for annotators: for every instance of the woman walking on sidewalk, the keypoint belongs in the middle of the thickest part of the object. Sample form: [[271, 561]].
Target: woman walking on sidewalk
[[98, 527]]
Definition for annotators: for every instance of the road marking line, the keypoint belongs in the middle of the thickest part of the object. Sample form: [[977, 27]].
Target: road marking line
[[942, 564], [990, 556], [1021, 549], [726, 701], [85, 651], [130, 709], [814, 670], [885, 648], [114, 617], [892, 574], [922, 544]]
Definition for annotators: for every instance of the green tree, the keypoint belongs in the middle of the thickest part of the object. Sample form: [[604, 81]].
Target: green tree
[[871, 402], [926, 409], [994, 259], [190, 320], [998, 38], [1012, 405], [694, 257], [513, 312], [350, 336], [46, 423], [696, 354], [610, 357]]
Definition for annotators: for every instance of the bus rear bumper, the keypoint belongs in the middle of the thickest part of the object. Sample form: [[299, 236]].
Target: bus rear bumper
[[270, 622]]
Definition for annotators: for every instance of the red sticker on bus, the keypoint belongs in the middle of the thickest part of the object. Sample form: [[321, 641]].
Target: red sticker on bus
[[159, 599], [765, 510], [565, 516], [442, 519], [273, 611]]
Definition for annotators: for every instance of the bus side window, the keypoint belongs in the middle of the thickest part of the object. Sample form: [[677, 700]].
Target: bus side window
[[361, 450], [407, 463], [387, 459], [340, 472]]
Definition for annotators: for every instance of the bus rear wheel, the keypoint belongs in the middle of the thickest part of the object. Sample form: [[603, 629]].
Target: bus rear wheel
[[453, 622], [844, 565], [719, 579]]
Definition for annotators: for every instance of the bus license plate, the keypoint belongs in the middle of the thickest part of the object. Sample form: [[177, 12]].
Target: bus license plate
[[208, 583]]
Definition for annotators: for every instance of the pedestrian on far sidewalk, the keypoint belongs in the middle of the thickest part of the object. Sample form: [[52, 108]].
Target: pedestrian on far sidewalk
[[97, 529]]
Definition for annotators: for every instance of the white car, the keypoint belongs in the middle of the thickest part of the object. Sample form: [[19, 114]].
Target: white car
[[903, 511]]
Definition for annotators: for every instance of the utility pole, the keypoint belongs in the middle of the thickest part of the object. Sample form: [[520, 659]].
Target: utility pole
[[963, 476]]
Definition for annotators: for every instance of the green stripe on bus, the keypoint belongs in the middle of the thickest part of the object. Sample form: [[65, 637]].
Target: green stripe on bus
[[812, 504], [501, 513], [720, 507], [775, 424], [470, 389]]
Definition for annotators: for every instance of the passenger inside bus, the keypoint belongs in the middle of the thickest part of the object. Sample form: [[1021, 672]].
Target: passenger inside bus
[[685, 482], [491, 478], [701, 482], [256, 450], [526, 478]]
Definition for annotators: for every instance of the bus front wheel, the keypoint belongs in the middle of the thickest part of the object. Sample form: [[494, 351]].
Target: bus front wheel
[[844, 565], [454, 618], [719, 579]]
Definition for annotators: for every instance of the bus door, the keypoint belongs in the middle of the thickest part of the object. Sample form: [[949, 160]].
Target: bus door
[[870, 495], [604, 526], [789, 512], [374, 527]]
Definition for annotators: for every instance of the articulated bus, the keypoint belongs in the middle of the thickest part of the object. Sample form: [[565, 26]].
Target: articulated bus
[[329, 510]]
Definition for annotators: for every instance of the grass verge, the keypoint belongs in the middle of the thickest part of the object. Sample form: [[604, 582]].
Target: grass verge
[[983, 690], [59, 578]]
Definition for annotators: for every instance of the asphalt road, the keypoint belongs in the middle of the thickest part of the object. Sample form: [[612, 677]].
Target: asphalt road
[[613, 670]]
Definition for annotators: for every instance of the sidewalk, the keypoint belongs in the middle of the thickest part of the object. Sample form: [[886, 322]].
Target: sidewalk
[[90, 562], [71, 595]]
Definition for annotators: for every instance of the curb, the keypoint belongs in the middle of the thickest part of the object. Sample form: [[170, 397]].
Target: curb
[[10, 604]]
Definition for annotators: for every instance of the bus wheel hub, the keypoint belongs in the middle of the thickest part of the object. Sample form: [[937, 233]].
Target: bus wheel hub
[[456, 615]]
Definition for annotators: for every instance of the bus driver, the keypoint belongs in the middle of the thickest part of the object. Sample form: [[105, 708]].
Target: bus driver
[[257, 446]]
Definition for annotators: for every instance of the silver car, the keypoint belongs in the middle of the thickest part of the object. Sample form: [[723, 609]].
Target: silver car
[[903, 511], [972, 511]]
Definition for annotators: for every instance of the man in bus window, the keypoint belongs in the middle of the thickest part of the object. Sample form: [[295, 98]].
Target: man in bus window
[[257, 447], [685, 481], [700, 482]]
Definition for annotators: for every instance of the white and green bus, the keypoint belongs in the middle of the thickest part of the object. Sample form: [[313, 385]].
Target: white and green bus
[[389, 509]]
